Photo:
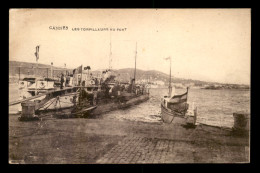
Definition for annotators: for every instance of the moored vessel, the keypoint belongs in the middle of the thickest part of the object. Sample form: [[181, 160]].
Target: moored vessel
[[176, 105], [82, 95]]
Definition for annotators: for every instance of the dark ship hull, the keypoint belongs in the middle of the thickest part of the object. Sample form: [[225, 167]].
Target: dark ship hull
[[94, 107]]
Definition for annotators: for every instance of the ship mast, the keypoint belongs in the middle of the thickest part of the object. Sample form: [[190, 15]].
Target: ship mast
[[37, 57], [36, 71], [135, 67], [170, 80], [110, 54], [135, 59]]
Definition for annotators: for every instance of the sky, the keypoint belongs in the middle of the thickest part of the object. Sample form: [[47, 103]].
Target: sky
[[204, 44]]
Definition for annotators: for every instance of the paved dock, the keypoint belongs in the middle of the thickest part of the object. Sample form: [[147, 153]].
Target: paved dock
[[102, 141]]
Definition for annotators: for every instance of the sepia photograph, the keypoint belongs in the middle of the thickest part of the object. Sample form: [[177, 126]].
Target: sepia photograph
[[129, 86]]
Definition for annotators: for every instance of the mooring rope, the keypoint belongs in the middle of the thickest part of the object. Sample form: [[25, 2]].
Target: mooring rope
[[50, 104]]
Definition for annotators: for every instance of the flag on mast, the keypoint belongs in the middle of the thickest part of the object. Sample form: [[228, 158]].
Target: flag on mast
[[167, 58], [37, 53]]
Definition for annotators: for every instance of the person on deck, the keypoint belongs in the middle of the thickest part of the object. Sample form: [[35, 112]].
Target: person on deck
[[131, 87], [116, 90], [67, 79], [61, 81]]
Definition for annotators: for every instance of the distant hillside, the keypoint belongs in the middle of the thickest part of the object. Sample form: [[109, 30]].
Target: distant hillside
[[152, 76], [13, 64], [157, 77], [27, 69]]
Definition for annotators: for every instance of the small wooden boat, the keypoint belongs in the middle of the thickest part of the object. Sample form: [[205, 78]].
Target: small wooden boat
[[174, 106]]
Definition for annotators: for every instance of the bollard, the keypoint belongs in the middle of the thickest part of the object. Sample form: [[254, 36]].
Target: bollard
[[28, 111], [241, 122], [191, 117]]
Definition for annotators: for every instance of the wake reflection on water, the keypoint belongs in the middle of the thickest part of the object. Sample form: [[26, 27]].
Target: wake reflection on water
[[148, 111]]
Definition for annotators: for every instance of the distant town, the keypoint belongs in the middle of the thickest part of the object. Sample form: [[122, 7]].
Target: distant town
[[161, 84], [184, 83]]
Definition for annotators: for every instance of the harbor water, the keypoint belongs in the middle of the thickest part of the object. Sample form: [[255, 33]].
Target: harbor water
[[215, 107]]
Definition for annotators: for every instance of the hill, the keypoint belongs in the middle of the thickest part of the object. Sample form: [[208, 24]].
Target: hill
[[149, 76], [27, 68], [154, 76], [15, 64]]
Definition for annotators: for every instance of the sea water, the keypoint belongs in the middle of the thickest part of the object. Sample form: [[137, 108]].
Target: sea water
[[215, 107]]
